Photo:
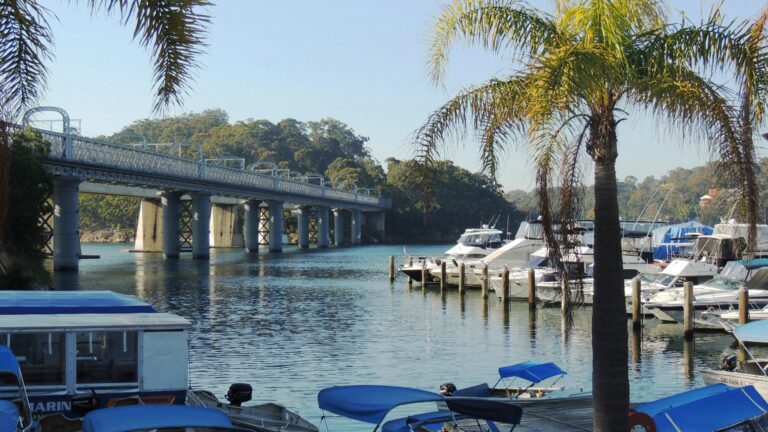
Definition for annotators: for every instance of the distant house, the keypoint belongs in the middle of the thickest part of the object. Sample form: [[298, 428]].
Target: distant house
[[707, 199]]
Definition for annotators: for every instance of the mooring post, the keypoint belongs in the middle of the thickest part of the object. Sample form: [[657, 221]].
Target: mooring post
[[743, 305], [462, 278], [423, 274], [410, 266], [688, 310], [565, 297], [485, 281], [442, 275], [637, 313], [505, 285], [391, 268], [531, 288]]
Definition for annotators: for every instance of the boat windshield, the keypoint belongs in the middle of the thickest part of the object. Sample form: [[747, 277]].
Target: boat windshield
[[723, 283], [479, 239], [665, 280]]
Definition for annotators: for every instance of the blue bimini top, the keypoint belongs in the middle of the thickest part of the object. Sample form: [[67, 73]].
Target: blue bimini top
[[754, 332], [70, 302], [532, 371], [370, 403], [9, 367], [705, 409], [148, 417]]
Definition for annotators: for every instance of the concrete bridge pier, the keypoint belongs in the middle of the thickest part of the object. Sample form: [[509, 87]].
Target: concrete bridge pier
[[357, 227], [201, 222], [171, 202], [338, 226], [302, 228], [322, 226], [252, 215], [275, 226], [66, 224], [226, 227], [149, 230]]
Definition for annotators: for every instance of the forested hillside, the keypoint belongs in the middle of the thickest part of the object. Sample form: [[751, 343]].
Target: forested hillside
[[327, 147]]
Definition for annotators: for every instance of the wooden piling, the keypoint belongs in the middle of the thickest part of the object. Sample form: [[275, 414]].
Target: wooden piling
[[485, 281], [531, 288], [688, 310], [505, 285], [565, 298], [443, 276], [423, 274], [637, 311], [743, 305], [391, 268], [410, 265], [462, 278]]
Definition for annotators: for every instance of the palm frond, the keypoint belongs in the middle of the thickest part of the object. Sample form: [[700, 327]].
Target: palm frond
[[497, 25], [175, 32], [25, 38]]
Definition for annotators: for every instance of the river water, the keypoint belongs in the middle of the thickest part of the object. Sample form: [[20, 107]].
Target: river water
[[291, 324]]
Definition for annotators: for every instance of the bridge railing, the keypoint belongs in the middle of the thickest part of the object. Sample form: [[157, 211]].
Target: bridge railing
[[111, 155]]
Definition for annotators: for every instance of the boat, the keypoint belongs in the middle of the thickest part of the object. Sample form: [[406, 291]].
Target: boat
[[677, 240], [373, 404], [157, 418], [474, 243], [720, 293], [15, 412], [83, 350], [715, 408], [751, 372]]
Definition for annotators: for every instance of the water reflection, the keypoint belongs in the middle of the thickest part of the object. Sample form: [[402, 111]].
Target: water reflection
[[293, 323]]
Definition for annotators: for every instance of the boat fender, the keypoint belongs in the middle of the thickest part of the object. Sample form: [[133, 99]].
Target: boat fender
[[447, 389], [729, 363], [641, 422], [239, 393]]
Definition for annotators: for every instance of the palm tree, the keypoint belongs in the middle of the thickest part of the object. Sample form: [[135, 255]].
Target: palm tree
[[583, 68], [174, 31]]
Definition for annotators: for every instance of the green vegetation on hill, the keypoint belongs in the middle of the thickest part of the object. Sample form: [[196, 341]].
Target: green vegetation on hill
[[327, 147]]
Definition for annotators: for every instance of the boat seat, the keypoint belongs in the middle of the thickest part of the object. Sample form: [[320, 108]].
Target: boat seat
[[480, 390]]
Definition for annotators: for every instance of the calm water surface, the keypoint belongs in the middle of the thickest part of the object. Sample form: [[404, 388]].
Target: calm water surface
[[291, 324]]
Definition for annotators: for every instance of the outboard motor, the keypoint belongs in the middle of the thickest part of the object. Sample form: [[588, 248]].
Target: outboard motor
[[239, 393], [447, 389], [729, 363]]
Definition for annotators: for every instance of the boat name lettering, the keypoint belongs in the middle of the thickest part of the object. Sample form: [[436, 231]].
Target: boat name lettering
[[50, 406]]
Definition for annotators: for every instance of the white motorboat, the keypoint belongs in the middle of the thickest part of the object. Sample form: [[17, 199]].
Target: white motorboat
[[674, 275], [474, 243], [752, 372], [720, 293]]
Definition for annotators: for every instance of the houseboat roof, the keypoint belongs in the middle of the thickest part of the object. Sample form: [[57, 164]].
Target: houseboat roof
[[92, 322], [70, 302]]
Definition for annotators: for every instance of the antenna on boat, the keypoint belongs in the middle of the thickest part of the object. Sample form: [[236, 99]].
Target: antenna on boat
[[507, 230], [643, 209]]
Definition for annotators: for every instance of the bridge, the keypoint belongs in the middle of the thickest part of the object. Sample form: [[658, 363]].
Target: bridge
[[167, 183]]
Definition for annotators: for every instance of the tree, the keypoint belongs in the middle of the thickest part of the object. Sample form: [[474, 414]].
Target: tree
[[174, 31], [582, 68]]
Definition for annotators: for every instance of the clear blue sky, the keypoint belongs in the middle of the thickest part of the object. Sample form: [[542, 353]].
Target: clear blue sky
[[362, 62]]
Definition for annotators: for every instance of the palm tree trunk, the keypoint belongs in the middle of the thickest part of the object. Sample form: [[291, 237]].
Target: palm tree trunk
[[610, 382]]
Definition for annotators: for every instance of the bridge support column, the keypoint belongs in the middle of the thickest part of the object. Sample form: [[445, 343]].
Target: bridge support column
[[252, 215], [357, 227], [66, 224], [302, 228], [338, 226], [322, 226], [171, 202], [149, 230], [275, 226], [201, 222], [226, 226]]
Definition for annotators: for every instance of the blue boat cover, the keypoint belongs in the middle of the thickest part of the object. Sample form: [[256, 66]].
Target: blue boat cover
[[705, 409], [370, 403], [148, 417], [754, 332], [753, 263], [664, 238], [8, 366], [9, 416], [69, 302], [532, 371], [431, 420]]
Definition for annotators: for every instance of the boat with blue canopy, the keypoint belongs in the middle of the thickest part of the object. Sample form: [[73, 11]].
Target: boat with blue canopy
[[15, 414], [373, 403], [156, 418], [716, 408]]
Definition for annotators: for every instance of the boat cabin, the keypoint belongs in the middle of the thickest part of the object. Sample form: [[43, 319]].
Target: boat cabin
[[105, 346]]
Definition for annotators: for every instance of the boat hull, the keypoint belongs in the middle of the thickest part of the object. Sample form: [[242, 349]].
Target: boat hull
[[736, 379]]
